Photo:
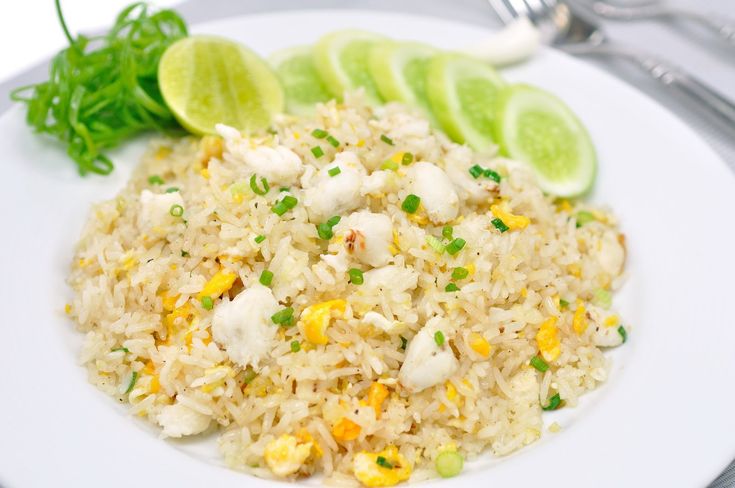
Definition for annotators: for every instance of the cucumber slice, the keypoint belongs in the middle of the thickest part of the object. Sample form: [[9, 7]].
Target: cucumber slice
[[538, 128], [463, 94], [341, 58], [301, 82], [399, 70]]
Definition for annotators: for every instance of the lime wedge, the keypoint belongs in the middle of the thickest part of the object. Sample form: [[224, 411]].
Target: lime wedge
[[463, 94], [399, 70], [538, 128], [342, 61], [300, 79], [206, 80]]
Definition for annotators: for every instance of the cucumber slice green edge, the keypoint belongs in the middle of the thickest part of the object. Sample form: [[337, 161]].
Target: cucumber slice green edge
[[301, 82], [538, 128]]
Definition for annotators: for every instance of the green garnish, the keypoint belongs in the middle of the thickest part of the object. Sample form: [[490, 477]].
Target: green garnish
[[155, 180], [334, 142], [295, 346], [334, 171], [411, 203], [386, 139], [439, 338], [554, 403], [176, 210], [456, 245], [172, 189], [185, 254], [451, 287], [602, 298], [133, 379], [447, 232], [539, 363], [325, 228], [460, 273], [207, 303], [563, 303], [404, 343], [406, 159], [283, 317], [623, 333], [449, 464], [258, 239], [317, 151], [248, 375], [435, 244], [584, 217], [476, 171], [319, 133], [499, 224], [266, 277], [123, 349], [103, 90], [493, 175], [356, 276], [389, 165], [287, 203], [383, 463], [254, 186]]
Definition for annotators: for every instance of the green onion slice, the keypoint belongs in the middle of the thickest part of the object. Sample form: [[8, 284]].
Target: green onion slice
[[295, 346], [319, 133], [317, 151], [356, 276], [133, 379], [554, 403], [460, 273], [439, 338], [176, 210], [386, 139], [539, 363], [207, 303], [254, 185], [456, 245], [411, 203], [155, 180], [499, 224], [334, 171], [283, 317], [623, 333], [266, 277]]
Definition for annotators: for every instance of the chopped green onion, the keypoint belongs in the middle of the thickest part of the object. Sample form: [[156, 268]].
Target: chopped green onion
[[449, 464], [317, 151], [411, 203], [499, 224], [584, 217], [123, 349], [283, 317], [334, 142], [259, 239], [282, 189], [334, 171], [176, 210], [356, 276], [404, 343], [155, 180], [173, 189], [383, 463], [407, 159], [554, 403], [439, 338], [435, 244], [493, 175], [389, 165], [295, 346], [332, 221], [324, 230], [133, 379], [386, 139], [280, 209], [248, 375], [451, 287], [290, 201], [623, 333], [319, 133], [287, 203], [539, 363], [207, 303], [185, 254], [266, 277], [563, 303], [476, 171], [456, 245], [460, 273], [447, 232], [602, 298], [254, 186]]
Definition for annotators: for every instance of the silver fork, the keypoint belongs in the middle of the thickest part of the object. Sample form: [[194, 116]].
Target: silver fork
[[572, 32], [724, 28]]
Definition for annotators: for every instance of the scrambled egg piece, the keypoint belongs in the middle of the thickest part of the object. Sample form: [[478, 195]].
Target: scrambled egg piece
[[285, 455], [178, 420], [438, 196], [548, 341], [368, 237], [610, 253], [514, 222], [315, 320], [346, 430], [579, 320], [220, 283], [479, 344], [379, 321], [377, 393], [385, 468], [427, 364]]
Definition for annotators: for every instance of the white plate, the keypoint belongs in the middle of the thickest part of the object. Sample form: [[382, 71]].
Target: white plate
[[664, 419]]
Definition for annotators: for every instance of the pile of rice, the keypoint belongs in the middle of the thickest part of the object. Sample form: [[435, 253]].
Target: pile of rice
[[137, 278]]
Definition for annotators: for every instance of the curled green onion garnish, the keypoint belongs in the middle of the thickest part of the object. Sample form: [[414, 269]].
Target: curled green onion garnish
[[254, 185], [176, 210], [133, 379], [554, 403]]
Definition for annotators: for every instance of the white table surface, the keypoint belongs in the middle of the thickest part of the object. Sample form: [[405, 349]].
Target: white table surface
[[33, 32]]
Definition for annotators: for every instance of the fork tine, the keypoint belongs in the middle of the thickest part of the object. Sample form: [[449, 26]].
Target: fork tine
[[503, 10], [535, 9], [519, 6]]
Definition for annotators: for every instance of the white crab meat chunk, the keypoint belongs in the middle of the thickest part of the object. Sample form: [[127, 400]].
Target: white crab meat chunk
[[156, 210], [397, 279], [457, 162], [380, 322], [178, 420], [611, 253], [277, 164], [427, 363], [243, 326], [367, 236], [379, 183], [336, 193], [605, 327], [438, 196]]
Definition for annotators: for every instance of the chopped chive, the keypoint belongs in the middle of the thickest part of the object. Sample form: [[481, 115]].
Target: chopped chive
[[254, 185], [584, 217], [334, 171], [383, 463], [493, 175], [334, 142], [563, 303], [248, 375], [539, 363], [282, 189], [460, 273], [435, 244], [317, 151], [554, 403], [476, 171], [123, 349], [319, 133], [389, 165], [499, 224], [447, 232], [133, 379], [173, 189], [185, 254], [176, 210], [280, 208], [324, 230], [295, 346], [283, 317], [386, 139], [407, 159], [356, 276], [332, 221], [456, 245], [266, 277], [155, 180], [449, 464], [290, 201], [207, 303], [439, 338], [411, 203], [404, 343], [602, 298], [623, 333], [259, 239], [451, 287]]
